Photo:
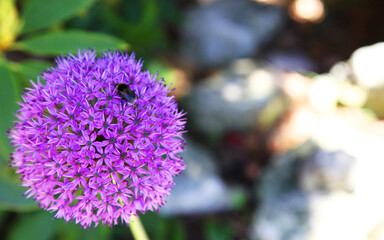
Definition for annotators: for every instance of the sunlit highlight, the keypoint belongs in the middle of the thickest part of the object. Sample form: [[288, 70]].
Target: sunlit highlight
[[307, 10], [260, 84], [296, 86], [232, 92]]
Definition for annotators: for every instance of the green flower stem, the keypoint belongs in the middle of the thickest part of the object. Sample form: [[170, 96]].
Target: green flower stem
[[137, 229], [135, 225]]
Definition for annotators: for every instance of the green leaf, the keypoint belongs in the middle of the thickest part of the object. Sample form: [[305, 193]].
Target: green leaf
[[11, 197], [35, 226], [3, 216], [99, 233], [42, 13], [217, 231], [8, 105], [155, 226], [72, 231], [30, 69], [68, 231], [238, 198], [145, 33], [165, 71], [160, 228], [55, 43]]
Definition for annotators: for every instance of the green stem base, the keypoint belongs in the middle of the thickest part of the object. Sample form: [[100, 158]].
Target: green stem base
[[137, 229]]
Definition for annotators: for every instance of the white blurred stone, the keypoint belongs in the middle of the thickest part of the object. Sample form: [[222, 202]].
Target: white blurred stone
[[323, 93], [338, 178], [333, 217], [367, 65], [351, 95], [341, 71], [260, 84]]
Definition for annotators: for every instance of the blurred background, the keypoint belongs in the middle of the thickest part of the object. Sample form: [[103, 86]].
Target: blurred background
[[285, 101]]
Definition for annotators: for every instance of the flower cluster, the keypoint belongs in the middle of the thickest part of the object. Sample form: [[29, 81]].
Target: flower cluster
[[90, 156]]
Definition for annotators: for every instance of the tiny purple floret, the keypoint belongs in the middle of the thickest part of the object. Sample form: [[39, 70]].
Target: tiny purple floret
[[88, 156]]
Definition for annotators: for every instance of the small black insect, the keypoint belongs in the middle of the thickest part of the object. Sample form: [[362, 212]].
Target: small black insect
[[126, 93]]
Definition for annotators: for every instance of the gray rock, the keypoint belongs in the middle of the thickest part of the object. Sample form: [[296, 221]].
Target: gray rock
[[233, 98], [293, 60], [283, 211], [283, 218], [216, 33], [199, 189], [328, 171]]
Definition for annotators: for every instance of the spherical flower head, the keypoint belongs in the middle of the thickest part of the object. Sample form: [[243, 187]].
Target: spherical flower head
[[88, 154]]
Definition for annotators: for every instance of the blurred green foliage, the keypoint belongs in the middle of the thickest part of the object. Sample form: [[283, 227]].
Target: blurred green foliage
[[144, 24], [215, 230], [38, 14], [32, 33], [8, 97], [58, 42], [162, 69], [11, 199]]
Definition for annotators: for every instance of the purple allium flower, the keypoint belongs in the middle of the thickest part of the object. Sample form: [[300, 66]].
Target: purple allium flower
[[88, 155]]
